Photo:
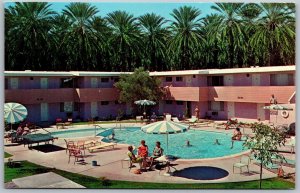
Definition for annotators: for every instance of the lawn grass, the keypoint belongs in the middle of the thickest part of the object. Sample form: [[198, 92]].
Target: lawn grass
[[7, 155], [28, 169]]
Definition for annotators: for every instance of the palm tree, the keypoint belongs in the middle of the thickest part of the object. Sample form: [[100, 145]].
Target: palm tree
[[211, 49], [125, 40], [27, 39], [249, 14], [230, 28], [81, 41], [184, 35], [154, 33], [274, 37]]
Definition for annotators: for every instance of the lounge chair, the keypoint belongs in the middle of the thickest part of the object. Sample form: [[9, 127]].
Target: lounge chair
[[100, 146], [168, 117], [192, 120], [175, 119], [244, 162], [68, 122]]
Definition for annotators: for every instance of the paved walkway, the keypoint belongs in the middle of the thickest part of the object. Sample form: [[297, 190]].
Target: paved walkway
[[46, 180], [110, 164]]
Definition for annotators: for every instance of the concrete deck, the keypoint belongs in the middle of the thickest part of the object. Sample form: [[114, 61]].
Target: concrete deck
[[46, 180], [110, 163]]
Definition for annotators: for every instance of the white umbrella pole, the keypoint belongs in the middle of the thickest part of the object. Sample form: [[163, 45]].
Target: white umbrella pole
[[167, 144]]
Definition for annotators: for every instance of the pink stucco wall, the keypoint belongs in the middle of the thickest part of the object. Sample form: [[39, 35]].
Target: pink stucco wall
[[104, 111], [245, 110], [242, 80]]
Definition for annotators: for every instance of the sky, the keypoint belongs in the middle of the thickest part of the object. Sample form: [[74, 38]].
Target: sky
[[137, 9]]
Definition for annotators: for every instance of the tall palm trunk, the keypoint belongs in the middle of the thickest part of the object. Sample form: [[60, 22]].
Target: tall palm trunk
[[231, 49]]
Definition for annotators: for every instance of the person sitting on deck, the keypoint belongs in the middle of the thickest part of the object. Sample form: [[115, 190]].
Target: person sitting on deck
[[26, 130], [237, 136], [158, 151], [20, 130], [143, 152], [229, 122], [153, 117], [133, 158]]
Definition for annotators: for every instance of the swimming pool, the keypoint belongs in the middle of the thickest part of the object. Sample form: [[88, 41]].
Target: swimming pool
[[202, 142], [77, 133]]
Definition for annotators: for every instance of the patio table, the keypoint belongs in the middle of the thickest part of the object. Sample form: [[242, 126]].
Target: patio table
[[167, 161]]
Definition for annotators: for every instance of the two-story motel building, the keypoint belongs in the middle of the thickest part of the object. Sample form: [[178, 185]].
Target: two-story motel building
[[218, 93]]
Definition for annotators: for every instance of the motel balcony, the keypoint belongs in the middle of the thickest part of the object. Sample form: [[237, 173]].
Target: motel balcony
[[37, 96], [250, 94], [186, 93], [96, 94]]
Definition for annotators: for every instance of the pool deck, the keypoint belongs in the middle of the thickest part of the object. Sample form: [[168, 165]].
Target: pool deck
[[110, 164]]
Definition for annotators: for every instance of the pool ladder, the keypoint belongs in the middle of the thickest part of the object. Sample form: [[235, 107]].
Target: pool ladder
[[118, 125]]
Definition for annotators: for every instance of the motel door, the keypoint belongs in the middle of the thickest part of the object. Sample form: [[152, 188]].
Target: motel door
[[94, 82], [228, 80], [255, 79], [230, 108], [44, 83], [261, 112], [14, 83], [188, 80], [94, 109], [44, 112]]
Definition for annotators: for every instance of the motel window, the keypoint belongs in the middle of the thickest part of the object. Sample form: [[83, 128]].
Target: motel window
[[168, 79], [6, 83], [76, 106], [222, 106], [104, 79], [61, 107], [66, 83], [116, 79], [179, 79], [104, 102], [179, 102], [215, 106], [169, 102], [215, 81], [281, 79], [209, 105]]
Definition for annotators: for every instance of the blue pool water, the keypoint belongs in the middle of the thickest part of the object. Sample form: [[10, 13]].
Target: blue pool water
[[202, 142], [76, 133]]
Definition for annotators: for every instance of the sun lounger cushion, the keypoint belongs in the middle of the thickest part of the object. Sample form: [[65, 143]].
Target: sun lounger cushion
[[97, 147]]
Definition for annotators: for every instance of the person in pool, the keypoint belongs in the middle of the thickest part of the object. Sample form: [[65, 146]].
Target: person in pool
[[188, 143], [217, 142]]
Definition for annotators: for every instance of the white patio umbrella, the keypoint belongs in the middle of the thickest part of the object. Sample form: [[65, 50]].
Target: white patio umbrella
[[144, 103], [14, 113], [277, 107], [165, 127]]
